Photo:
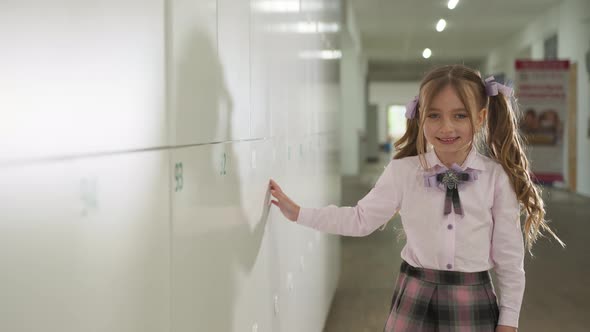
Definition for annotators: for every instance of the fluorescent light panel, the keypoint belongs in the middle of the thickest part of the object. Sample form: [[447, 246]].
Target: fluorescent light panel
[[292, 6], [307, 27], [321, 54], [452, 4], [440, 26], [277, 6]]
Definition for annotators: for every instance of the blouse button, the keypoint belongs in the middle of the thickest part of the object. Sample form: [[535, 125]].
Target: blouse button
[[449, 227], [449, 266]]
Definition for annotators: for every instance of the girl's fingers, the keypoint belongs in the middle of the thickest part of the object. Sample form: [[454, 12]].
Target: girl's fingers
[[277, 194], [274, 185], [275, 202]]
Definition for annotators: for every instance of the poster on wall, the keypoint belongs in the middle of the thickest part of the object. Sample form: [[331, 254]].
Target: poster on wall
[[541, 90]]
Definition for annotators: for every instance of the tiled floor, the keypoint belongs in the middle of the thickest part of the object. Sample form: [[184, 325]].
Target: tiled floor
[[558, 280]]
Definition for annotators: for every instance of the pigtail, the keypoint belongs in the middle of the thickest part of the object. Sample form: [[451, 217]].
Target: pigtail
[[505, 144], [407, 146], [412, 143]]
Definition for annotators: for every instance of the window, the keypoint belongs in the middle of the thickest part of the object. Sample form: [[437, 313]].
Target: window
[[396, 121], [550, 48]]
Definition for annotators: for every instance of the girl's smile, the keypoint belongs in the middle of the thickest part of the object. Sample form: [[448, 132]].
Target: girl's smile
[[450, 140]]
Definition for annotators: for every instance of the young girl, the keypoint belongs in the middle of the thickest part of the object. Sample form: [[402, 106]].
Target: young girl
[[460, 208]]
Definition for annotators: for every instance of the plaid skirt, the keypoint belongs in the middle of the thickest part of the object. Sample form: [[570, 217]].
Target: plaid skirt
[[432, 300]]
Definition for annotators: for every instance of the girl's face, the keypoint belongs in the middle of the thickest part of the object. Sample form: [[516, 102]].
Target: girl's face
[[447, 126]]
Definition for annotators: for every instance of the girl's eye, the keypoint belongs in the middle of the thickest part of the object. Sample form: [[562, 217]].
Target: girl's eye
[[432, 116], [461, 116]]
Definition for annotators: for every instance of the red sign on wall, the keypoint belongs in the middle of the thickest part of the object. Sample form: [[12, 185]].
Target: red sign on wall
[[541, 90]]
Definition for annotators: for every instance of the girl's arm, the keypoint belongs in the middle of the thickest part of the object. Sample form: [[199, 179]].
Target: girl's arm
[[372, 211], [508, 250]]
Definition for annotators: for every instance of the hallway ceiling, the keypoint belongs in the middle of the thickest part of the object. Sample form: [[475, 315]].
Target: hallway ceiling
[[395, 32]]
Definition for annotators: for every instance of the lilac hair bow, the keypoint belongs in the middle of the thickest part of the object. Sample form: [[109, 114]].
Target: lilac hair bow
[[411, 108], [493, 87], [450, 180]]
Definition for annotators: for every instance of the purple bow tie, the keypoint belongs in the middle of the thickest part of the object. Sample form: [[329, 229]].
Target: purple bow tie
[[449, 180]]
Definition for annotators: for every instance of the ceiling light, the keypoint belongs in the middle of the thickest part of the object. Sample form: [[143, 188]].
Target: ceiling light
[[321, 54], [440, 26], [281, 6], [426, 53], [305, 27], [328, 27], [452, 4]]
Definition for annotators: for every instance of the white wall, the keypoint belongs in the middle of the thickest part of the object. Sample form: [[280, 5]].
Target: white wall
[[526, 44], [384, 94], [571, 21], [573, 42], [137, 141], [353, 70]]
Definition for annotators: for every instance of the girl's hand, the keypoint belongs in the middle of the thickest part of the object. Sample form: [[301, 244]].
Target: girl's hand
[[289, 209], [504, 328]]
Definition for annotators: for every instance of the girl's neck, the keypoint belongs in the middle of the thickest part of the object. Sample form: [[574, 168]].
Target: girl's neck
[[458, 157]]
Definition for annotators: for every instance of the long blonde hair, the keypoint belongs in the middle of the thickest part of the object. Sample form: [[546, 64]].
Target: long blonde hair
[[499, 138]]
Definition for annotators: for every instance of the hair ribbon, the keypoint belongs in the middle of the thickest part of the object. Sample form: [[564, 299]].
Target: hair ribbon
[[411, 108], [493, 88]]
